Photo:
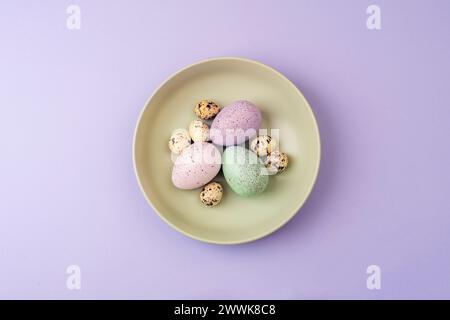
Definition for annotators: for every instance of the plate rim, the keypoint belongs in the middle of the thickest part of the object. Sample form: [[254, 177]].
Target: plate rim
[[283, 222]]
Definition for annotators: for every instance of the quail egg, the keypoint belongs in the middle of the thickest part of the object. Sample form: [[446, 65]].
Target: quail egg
[[179, 140], [263, 145], [198, 131], [206, 109], [211, 194], [276, 162]]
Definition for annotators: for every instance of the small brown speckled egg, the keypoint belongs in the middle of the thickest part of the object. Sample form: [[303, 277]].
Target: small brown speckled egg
[[206, 109], [211, 194], [263, 145], [179, 140], [276, 162], [198, 131]]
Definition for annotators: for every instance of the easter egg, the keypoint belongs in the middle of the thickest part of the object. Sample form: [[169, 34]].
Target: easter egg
[[198, 131], [236, 123], [276, 162], [197, 165], [211, 194], [244, 172], [179, 140]]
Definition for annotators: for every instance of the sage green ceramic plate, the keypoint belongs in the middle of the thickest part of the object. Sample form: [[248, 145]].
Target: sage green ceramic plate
[[236, 219]]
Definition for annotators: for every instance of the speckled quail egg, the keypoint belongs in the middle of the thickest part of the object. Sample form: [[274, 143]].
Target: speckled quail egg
[[179, 140], [211, 194], [276, 162], [263, 145], [198, 131], [206, 109]]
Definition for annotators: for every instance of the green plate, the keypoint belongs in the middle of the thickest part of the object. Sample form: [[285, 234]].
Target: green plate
[[235, 219]]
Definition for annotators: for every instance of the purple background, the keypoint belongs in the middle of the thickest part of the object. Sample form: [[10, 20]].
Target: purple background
[[70, 101]]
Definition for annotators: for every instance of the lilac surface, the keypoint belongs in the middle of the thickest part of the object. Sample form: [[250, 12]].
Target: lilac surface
[[70, 100], [236, 123]]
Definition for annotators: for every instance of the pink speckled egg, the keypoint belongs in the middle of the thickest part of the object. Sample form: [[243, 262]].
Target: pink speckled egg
[[197, 165], [236, 123]]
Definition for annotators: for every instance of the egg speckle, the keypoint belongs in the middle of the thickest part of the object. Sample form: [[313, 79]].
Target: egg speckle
[[276, 162], [206, 109], [179, 140], [211, 194], [198, 131], [263, 145]]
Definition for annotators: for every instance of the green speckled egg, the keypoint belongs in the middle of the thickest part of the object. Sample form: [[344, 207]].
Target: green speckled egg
[[244, 171]]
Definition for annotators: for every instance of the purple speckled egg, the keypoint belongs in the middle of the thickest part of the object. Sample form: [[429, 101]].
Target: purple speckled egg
[[236, 123], [197, 165]]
